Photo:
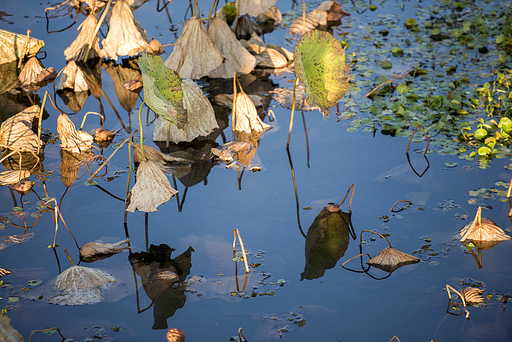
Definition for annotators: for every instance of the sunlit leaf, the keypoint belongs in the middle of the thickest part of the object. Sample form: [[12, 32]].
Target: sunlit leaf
[[320, 66], [163, 89], [11, 44]]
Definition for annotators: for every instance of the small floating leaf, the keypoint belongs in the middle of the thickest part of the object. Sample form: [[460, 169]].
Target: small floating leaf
[[450, 164]]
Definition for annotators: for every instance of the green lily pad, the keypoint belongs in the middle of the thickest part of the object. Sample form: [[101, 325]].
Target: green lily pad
[[386, 65], [450, 164], [162, 90], [320, 66]]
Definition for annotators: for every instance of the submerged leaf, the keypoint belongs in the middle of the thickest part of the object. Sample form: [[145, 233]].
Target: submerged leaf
[[194, 54], [151, 189], [320, 66], [163, 90], [200, 117]]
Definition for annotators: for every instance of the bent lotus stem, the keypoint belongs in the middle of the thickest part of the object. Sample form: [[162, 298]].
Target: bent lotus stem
[[67, 254], [392, 338], [236, 233], [357, 256], [478, 218], [57, 215], [448, 287], [378, 87], [293, 111], [210, 14], [128, 182], [353, 187], [85, 116], [509, 188], [394, 205], [241, 334], [369, 231], [236, 15], [45, 330], [233, 112], [412, 135]]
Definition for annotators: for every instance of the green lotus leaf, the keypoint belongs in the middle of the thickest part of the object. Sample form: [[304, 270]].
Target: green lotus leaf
[[320, 66], [162, 90]]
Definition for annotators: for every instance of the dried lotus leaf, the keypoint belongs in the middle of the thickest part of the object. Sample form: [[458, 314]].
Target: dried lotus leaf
[[255, 7], [11, 45], [91, 249], [472, 295], [247, 118], [238, 59], [151, 189], [194, 54], [482, 229], [297, 26], [71, 139], [389, 259], [200, 118], [273, 14], [72, 77], [17, 132], [271, 58], [123, 38], [77, 50], [79, 277], [13, 176]]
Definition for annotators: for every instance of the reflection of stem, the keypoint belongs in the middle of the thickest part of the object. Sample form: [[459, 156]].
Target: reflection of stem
[[369, 231], [357, 256], [393, 207], [412, 135], [448, 287], [45, 330], [128, 183], [306, 134], [106, 161], [477, 259], [177, 194], [293, 111], [113, 108], [146, 225], [295, 189], [236, 233]]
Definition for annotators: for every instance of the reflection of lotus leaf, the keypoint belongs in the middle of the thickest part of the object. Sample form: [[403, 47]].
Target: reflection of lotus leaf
[[326, 242], [320, 66], [128, 70]]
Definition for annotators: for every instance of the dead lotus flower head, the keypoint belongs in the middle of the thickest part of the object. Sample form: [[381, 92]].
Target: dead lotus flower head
[[151, 189], [155, 48], [71, 139], [483, 231], [23, 187], [124, 37], [77, 50], [175, 335], [34, 75], [194, 54]]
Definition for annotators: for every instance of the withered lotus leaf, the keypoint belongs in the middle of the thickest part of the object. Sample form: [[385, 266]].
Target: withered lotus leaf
[[77, 50], [255, 7], [247, 118], [17, 132], [123, 38], [13, 176], [194, 54], [482, 229], [80, 277], [11, 45], [238, 59], [35, 75], [91, 249], [472, 295], [151, 189], [71, 139], [390, 258], [200, 117], [72, 77]]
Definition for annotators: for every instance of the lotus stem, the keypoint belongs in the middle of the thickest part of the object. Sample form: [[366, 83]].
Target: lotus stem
[[477, 218], [243, 248], [509, 188], [426, 136], [40, 119], [448, 287], [378, 87], [96, 29], [233, 112], [353, 187], [66, 251], [141, 135], [47, 329], [293, 111], [57, 215], [393, 207], [357, 256], [349, 74], [25, 43], [370, 231], [106, 161], [210, 14], [236, 15], [303, 16], [392, 338], [128, 182], [241, 334], [85, 116]]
